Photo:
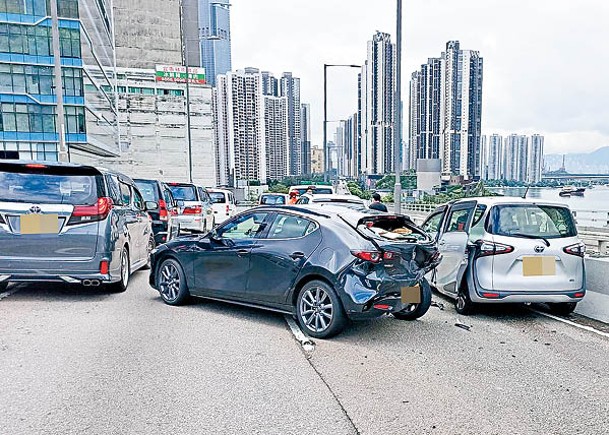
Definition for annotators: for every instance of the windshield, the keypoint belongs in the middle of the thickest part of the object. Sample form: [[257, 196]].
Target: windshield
[[530, 220], [147, 189], [184, 192], [272, 199], [48, 189], [217, 197]]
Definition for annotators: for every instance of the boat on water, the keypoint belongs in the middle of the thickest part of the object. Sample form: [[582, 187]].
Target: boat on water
[[572, 190]]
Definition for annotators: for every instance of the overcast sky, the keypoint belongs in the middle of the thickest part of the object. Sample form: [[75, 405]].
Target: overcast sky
[[546, 68]]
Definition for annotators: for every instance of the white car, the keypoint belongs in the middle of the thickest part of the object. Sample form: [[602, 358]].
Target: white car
[[195, 212], [223, 204], [502, 250]]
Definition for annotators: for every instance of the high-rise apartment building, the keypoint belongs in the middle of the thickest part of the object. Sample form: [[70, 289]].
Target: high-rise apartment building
[[445, 111], [484, 157], [305, 135], [535, 159], [317, 160], [252, 130], [289, 87], [57, 72], [376, 102], [214, 37], [495, 157]]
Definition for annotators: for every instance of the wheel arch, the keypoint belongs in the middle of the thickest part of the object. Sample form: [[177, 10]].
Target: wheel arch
[[304, 281]]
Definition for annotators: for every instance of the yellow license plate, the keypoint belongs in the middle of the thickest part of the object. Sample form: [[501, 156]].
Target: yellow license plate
[[538, 266], [39, 224], [411, 295]]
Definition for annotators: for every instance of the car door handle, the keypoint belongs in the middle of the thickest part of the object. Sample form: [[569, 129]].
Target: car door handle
[[243, 251], [297, 255]]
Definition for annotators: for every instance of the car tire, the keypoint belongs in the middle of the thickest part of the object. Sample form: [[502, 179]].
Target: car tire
[[415, 311], [464, 304], [125, 271], [563, 308], [319, 310], [150, 247], [171, 282]]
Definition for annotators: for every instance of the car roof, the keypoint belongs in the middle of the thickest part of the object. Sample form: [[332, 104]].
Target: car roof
[[216, 190], [320, 197], [353, 216], [494, 200], [58, 165]]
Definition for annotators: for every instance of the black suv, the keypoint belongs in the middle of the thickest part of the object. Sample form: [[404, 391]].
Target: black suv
[[164, 223]]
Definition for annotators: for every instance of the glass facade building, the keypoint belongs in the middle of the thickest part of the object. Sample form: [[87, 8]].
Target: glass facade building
[[214, 35], [29, 128]]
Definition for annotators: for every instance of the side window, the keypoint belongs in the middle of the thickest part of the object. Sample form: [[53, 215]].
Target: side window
[[247, 226], [303, 200], [168, 197], [125, 193], [432, 225], [477, 230], [290, 227], [457, 220], [113, 190], [203, 197], [138, 201]]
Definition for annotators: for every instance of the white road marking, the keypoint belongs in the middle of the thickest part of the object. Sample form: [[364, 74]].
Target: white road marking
[[307, 344], [8, 293], [569, 322]]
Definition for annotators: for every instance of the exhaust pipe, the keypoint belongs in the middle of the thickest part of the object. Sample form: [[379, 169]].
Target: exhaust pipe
[[90, 282]]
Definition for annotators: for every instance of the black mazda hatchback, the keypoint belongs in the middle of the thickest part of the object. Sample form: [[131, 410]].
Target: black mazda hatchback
[[324, 265]]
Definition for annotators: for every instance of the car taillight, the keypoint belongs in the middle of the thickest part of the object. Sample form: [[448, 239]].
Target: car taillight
[[163, 215], [104, 267], [227, 209], [486, 248], [371, 256], [578, 249], [390, 255], [195, 209], [91, 213]]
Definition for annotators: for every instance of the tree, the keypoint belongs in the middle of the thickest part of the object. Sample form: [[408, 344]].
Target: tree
[[356, 190]]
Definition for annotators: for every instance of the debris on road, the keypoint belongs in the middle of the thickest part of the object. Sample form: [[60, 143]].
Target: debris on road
[[439, 305], [463, 326]]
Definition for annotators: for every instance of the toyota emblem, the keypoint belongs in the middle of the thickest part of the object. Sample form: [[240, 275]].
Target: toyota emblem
[[35, 209], [539, 249]]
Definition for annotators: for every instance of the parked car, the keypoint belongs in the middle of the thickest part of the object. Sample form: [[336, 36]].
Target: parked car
[[318, 189], [323, 266], [195, 212], [71, 223], [499, 250], [273, 199], [164, 218], [223, 204], [335, 200]]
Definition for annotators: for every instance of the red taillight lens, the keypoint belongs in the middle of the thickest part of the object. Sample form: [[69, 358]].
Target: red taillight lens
[[227, 209], [91, 213], [371, 256], [490, 295], [578, 249], [195, 209], [104, 267], [163, 215], [390, 255], [486, 248]]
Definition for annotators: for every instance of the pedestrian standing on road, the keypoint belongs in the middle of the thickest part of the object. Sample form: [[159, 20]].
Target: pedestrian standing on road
[[293, 197], [376, 203]]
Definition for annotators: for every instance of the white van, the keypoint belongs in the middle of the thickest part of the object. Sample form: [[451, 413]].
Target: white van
[[223, 204]]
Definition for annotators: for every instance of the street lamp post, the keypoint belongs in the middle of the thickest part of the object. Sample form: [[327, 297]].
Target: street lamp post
[[397, 132], [185, 63], [326, 154]]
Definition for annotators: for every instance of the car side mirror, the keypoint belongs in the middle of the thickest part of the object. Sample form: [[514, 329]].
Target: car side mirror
[[151, 205]]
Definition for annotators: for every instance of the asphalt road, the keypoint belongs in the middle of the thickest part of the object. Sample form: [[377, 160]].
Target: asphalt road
[[82, 361]]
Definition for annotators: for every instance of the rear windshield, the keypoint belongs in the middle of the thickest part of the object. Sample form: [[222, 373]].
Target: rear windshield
[[391, 228], [184, 192], [272, 199], [148, 189], [49, 188], [316, 191], [217, 197], [530, 220]]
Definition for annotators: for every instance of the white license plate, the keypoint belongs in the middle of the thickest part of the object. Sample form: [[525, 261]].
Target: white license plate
[[539, 266], [39, 224]]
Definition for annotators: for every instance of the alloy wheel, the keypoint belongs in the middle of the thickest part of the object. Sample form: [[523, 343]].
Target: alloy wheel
[[316, 309], [169, 281], [125, 268]]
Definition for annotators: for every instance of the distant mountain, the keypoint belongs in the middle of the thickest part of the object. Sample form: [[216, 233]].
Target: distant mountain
[[596, 162]]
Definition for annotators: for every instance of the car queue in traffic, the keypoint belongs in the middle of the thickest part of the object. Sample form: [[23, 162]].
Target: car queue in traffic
[[324, 258]]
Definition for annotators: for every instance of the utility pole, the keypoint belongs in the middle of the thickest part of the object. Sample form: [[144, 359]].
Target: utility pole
[[64, 153], [326, 165], [397, 130], [185, 63]]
